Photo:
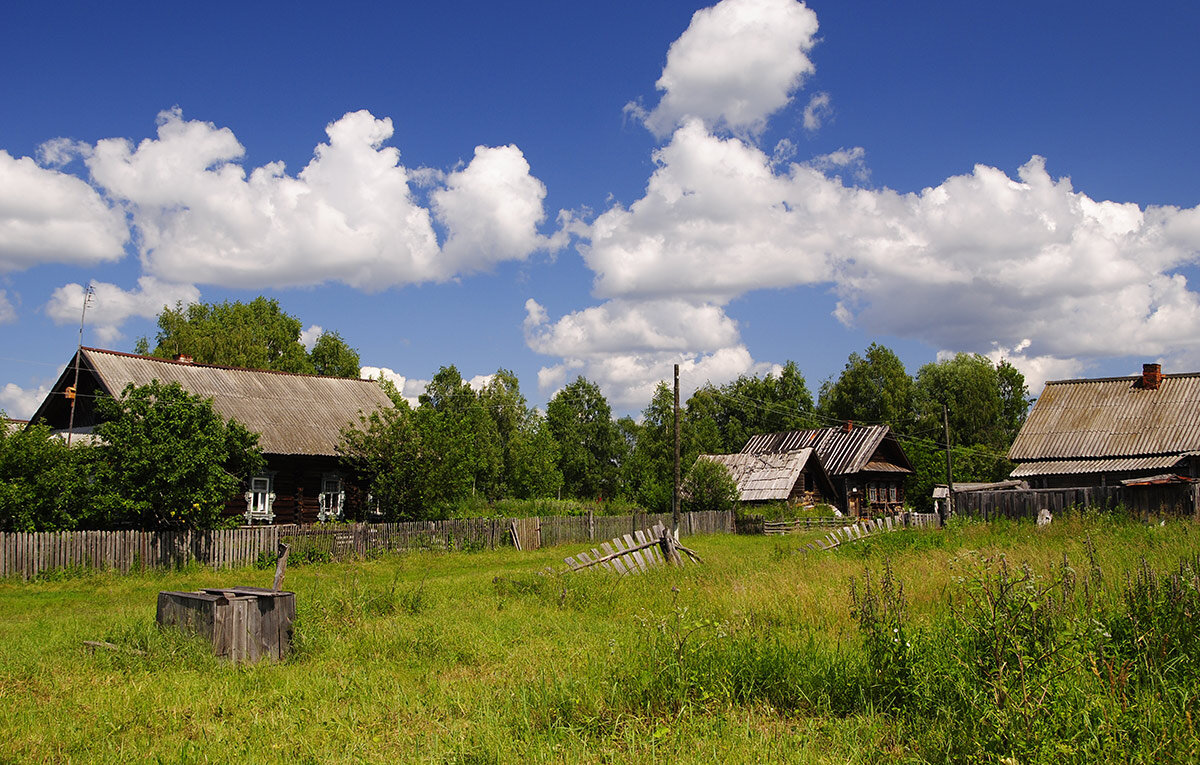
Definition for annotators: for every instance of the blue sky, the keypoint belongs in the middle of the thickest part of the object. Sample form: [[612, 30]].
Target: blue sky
[[726, 187]]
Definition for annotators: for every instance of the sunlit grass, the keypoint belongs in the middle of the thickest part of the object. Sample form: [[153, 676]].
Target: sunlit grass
[[478, 657]]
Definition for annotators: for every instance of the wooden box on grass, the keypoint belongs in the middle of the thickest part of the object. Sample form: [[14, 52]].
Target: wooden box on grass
[[242, 623]]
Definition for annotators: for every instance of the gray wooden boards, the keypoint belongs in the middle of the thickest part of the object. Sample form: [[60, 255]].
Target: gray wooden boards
[[243, 624], [634, 553], [865, 529]]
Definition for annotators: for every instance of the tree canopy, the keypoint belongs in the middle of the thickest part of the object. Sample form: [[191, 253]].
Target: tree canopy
[[254, 335], [170, 461]]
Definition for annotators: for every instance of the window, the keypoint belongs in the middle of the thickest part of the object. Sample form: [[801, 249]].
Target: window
[[892, 493], [872, 493], [333, 498], [261, 498]]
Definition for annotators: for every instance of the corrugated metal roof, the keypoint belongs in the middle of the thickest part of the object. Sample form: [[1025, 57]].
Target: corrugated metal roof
[[763, 477], [841, 452], [1111, 417], [293, 414], [1069, 467]]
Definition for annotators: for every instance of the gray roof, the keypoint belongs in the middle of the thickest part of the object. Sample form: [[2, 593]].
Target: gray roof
[[1111, 417], [841, 452], [763, 477], [293, 414], [1071, 467]]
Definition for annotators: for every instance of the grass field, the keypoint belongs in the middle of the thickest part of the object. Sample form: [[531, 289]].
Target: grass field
[[991, 643]]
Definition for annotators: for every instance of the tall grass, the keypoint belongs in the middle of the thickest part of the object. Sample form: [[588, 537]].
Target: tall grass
[[1075, 643]]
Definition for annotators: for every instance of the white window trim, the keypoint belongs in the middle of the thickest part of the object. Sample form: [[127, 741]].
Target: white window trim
[[332, 504], [262, 514]]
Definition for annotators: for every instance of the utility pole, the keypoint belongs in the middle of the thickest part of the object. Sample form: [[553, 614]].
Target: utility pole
[[675, 493], [73, 393], [949, 465]]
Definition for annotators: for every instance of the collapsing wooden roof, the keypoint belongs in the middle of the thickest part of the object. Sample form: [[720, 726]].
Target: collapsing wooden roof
[[843, 450], [772, 477], [292, 413]]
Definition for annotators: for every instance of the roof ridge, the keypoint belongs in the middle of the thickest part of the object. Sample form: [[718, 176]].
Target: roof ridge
[[220, 366], [1129, 378]]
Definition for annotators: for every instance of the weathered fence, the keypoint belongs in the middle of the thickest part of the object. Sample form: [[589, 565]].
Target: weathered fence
[[871, 527], [31, 554], [1169, 500], [803, 524]]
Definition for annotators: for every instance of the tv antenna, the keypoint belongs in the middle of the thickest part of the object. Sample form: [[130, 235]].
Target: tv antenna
[[89, 297]]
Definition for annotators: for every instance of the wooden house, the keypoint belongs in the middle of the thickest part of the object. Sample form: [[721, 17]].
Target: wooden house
[[866, 464], [1105, 431], [298, 418], [796, 477]]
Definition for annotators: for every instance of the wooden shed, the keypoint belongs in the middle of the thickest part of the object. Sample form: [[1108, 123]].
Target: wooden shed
[[1101, 432], [794, 477], [866, 463]]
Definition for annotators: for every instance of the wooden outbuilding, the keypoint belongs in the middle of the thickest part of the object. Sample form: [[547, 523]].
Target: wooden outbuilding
[[298, 418], [796, 477], [866, 464], [1106, 431]]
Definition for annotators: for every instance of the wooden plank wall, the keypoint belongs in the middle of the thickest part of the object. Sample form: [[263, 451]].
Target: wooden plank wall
[[31, 554], [1145, 502]]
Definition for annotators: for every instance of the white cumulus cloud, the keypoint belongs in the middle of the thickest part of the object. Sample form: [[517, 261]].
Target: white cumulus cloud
[[48, 216], [410, 389], [627, 347], [111, 306], [20, 403], [350, 215], [8, 313], [735, 65]]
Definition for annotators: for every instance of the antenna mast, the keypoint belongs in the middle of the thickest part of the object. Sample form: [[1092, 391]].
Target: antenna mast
[[88, 295]]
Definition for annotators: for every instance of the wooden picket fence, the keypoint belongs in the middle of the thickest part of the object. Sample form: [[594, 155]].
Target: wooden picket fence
[[32, 554], [800, 525], [634, 553], [864, 529]]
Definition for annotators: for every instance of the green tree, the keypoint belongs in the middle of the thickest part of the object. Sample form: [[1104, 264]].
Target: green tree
[[648, 473], [589, 442], [463, 453], [986, 402], [709, 486], [170, 461], [332, 357], [721, 419], [254, 335], [385, 451], [44, 484], [873, 388], [532, 470]]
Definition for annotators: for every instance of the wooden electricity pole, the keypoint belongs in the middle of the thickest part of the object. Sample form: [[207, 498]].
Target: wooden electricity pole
[[675, 493], [949, 464]]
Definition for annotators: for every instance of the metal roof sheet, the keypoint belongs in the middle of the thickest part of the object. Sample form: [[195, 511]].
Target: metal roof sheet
[[841, 452], [1069, 467], [293, 414], [762, 477], [1111, 417]]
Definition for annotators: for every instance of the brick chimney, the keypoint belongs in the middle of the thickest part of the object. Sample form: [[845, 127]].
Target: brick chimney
[[849, 425], [1151, 376], [183, 358]]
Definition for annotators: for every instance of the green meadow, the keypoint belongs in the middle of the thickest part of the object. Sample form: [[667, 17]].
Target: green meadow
[[975, 643]]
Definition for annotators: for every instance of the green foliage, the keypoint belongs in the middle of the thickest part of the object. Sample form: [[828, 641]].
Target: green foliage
[[589, 442], [385, 450], [874, 388], [928, 458], [169, 460], [986, 402], [44, 485], [254, 335], [709, 486], [719, 420], [332, 357]]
